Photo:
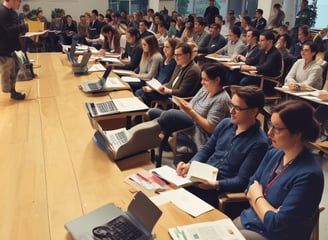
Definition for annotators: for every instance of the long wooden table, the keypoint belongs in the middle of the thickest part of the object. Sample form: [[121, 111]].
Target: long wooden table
[[51, 170]]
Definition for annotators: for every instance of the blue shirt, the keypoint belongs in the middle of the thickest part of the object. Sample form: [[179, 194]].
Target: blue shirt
[[296, 192], [236, 156], [165, 71]]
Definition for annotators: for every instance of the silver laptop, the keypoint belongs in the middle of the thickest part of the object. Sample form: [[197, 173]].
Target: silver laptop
[[82, 67], [97, 86], [110, 222]]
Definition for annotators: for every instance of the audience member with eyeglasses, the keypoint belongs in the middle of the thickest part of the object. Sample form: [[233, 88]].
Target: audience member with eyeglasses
[[185, 80], [236, 147], [286, 189]]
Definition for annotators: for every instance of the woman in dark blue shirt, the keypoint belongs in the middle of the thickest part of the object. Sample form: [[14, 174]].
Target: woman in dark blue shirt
[[285, 191]]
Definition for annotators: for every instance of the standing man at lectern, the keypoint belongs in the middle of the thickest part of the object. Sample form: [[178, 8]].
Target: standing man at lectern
[[10, 28]]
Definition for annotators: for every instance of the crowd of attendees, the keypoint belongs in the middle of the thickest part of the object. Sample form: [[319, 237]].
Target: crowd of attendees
[[170, 48]]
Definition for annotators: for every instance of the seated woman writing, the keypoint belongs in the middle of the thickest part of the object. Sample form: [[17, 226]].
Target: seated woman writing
[[205, 110], [286, 189], [305, 73]]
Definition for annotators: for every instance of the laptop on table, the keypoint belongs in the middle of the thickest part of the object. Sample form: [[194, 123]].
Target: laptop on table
[[110, 222], [82, 67], [97, 86]]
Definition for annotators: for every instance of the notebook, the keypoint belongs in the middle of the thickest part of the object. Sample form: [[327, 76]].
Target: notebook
[[110, 222], [114, 106], [97, 86]]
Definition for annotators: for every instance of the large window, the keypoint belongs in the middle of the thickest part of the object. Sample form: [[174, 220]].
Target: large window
[[129, 6]]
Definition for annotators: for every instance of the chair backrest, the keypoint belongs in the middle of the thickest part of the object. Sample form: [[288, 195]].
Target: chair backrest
[[24, 64]]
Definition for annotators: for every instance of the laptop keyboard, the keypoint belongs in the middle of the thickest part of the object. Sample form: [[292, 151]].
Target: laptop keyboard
[[118, 139], [106, 107], [117, 229]]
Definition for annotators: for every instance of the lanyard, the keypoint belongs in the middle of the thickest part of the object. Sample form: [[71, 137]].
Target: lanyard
[[273, 179]]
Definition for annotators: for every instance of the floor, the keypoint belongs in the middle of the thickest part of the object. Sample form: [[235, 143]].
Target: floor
[[323, 227]]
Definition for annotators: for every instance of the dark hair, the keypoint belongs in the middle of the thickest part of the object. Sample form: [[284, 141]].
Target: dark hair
[[255, 33], [305, 30], [235, 30], [298, 116], [219, 16], [163, 24], [202, 21], [288, 40], [248, 20], [214, 70], [173, 20], [186, 48], [260, 11], [152, 42], [252, 95], [216, 26], [144, 21], [268, 34], [313, 47], [150, 10], [133, 32], [95, 11], [277, 5]]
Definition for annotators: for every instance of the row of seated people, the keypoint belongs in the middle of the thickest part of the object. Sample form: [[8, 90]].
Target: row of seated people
[[276, 180], [237, 145], [259, 55]]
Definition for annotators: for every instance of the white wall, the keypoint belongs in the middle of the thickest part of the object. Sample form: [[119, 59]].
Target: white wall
[[72, 7]]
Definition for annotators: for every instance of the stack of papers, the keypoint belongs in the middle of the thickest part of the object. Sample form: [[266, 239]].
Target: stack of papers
[[219, 230], [130, 79], [187, 202], [122, 72], [97, 68], [198, 172], [154, 84]]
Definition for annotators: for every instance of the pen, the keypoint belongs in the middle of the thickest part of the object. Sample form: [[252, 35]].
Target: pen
[[143, 178]]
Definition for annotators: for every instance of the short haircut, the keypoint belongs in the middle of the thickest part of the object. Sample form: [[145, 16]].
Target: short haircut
[[235, 30], [268, 34], [145, 22], [260, 11], [185, 47], [304, 29], [214, 70], [219, 16], [255, 32], [313, 47], [95, 11], [201, 21], [216, 26], [292, 111], [248, 20], [252, 95], [133, 32]]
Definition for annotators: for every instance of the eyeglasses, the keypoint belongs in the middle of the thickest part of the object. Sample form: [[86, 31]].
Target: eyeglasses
[[237, 108], [275, 130], [178, 54]]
